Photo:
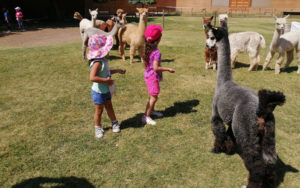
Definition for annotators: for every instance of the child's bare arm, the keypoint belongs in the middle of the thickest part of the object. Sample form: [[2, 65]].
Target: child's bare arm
[[120, 71], [95, 78], [157, 68]]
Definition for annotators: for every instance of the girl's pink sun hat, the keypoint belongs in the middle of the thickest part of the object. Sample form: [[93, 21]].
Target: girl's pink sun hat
[[153, 32], [99, 46]]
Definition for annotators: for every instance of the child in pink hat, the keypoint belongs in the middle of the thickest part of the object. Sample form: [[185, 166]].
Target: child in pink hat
[[153, 71], [100, 75]]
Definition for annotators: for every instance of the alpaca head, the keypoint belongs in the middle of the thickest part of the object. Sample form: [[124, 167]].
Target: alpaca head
[[223, 18], [280, 22], [211, 39], [207, 22], [215, 34], [143, 12], [94, 13], [119, 13]]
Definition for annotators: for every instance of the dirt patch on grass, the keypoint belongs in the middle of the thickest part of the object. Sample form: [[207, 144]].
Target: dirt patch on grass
[[40, 37]]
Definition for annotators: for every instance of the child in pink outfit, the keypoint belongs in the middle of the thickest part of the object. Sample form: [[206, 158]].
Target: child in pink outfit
[[19, 18], [153, 70]]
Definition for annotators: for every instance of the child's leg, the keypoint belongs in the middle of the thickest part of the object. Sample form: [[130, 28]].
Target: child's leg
[[151, 103], [98, 114], [110, 110]]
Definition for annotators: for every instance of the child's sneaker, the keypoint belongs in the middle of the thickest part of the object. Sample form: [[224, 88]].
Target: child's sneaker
[[157, 114], [148, 120], [99, 132], [115, 127]]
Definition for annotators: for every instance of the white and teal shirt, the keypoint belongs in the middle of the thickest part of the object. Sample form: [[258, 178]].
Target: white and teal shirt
[[103, 72]]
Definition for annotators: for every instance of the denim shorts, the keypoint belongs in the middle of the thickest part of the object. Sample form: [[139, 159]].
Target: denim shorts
[[100, 98]]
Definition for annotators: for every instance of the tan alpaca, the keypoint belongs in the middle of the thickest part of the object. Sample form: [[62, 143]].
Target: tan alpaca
[[134, 36]]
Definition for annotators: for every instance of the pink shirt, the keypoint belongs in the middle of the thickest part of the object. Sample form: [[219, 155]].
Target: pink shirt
[[19, 15], [154, 56]]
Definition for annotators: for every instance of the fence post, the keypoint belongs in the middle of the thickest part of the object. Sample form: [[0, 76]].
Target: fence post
[[163, 17]]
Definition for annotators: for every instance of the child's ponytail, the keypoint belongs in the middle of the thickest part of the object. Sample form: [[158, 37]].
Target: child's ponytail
[[150, 46]]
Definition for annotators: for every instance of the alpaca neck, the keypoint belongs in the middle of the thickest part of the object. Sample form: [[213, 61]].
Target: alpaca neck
[[93, 22], [142, 25], [224, 67], [275, 39]]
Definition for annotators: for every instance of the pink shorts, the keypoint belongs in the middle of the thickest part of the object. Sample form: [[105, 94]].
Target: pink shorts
[[152, 85]]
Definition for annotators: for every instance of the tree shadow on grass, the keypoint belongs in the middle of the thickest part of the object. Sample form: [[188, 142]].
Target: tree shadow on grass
[[178, 107], [64, 182]]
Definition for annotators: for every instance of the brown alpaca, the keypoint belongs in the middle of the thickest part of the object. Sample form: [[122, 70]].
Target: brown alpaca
[[210, 53], [134, 36]]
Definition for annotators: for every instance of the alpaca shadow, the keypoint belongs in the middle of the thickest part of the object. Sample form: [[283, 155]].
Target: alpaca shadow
[[178, 107], [280, 170], [289, 69], [64, 182], [239, 65]]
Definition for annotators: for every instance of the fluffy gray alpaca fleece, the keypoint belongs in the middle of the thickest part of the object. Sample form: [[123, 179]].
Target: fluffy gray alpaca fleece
[[251, 124]]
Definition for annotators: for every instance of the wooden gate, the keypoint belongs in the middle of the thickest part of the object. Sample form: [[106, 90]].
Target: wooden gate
[[239, 4]]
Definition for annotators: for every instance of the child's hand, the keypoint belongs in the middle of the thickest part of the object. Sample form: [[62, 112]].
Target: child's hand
[[109, 81], [171, 70], [122, 71]]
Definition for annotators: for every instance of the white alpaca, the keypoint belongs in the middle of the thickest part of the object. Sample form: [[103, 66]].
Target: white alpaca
[[85, 23], [248, 41], [285, 43], [223, 17]]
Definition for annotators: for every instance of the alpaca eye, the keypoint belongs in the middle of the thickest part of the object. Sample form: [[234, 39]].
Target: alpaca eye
[[212, 38]]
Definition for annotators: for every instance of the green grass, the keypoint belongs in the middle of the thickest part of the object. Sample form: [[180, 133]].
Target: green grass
[[46, 117]]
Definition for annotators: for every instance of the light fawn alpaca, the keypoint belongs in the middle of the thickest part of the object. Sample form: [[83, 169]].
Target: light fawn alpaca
[[250, 119], [86, 23], [285, 43], [248, 41], [134, 36]]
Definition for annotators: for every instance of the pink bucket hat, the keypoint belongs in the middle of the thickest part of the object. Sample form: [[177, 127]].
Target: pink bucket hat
[[99, 46], [153, 32]]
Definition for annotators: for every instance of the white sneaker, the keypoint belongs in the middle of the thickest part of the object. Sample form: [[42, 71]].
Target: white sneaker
[[148, 120], [115, 127], [99, 132], [157, 114]]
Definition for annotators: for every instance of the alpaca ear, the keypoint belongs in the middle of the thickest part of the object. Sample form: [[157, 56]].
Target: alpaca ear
[[211, 18], [96, 9], [286, 16], [275, 17], [90, 10], [138, 9]]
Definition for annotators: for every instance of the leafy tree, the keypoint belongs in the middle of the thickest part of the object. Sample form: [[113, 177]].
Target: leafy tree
[[143, 2]]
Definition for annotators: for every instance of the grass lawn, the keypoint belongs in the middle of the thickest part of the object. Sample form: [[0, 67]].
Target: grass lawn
[[46, 117]]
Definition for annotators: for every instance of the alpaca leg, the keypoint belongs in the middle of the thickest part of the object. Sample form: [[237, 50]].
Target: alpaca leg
[[121, 50], [132, 52], [233, 58], [254, 163], [253, 63], [142, 53], [298, 56], [206, 65], [289, 58], [214, 65], [207, 58], [278, 63], [219, 131], [268, 59], [84, 51]]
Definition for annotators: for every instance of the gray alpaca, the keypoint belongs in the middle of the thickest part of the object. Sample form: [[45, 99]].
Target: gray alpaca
[[251, 123]]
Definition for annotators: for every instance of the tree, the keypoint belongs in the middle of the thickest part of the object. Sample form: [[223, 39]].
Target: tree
[[143, 2]]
